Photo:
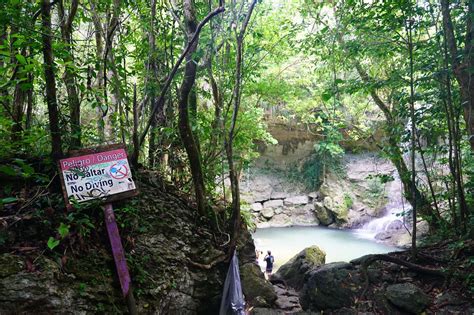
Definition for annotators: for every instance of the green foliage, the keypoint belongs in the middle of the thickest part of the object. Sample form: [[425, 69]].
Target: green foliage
[[52, 243], [247, 216], [348, 202], [63, 231]]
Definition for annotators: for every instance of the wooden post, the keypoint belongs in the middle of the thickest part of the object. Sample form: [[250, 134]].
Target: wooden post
[[119, 257]]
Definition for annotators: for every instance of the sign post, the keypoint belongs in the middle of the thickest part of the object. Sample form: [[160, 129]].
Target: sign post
[[102, 173]]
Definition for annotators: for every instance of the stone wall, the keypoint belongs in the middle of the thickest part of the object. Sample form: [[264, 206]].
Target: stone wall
[[350, 198]]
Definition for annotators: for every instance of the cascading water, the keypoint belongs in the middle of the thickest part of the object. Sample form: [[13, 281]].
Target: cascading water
[[393, 218]]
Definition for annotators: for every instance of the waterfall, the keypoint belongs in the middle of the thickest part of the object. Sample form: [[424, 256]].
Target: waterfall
[[392, 219]]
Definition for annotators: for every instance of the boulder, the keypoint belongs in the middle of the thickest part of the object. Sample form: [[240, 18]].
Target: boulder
[[407, 297], [294, 271], [280, 220], [335, 204], [304, 215], [331, 286], [273, 203], [256, 289], [256, 207], [395, 225], [296, 200], [278, 210], [322, 214], [267, 213]]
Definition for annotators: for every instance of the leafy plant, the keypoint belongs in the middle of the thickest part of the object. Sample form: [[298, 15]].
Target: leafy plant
[[63, 231], [348, 202], [247, 217], [52, 242]]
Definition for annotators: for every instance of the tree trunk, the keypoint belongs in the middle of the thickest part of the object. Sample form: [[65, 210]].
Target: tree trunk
[[69, 75], [99, 85], [183, 106], [413, 141], [53, 113], [234, 178], [153, 82], [136, 144], [29, 108], [394, 151], [462, 67], [19, 97]]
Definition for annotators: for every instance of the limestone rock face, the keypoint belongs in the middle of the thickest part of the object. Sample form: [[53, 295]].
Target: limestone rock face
[[323, 215], [288, 299], [163, 262], [273, 203], [407, 297], [49, 289], [296, 200], [279, 195], [280, 220], [331, 286], [295, 270], [335, 204], [256, 207], [267, 213]]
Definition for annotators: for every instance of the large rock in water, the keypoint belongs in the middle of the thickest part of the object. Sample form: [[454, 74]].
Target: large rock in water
[[407, 297], [331, 286], [294, 271]]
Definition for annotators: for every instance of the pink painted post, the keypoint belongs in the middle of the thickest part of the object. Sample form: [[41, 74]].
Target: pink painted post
[[119, 257]]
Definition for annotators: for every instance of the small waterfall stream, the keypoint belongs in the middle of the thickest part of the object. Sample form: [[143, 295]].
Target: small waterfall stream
[[393, 218]]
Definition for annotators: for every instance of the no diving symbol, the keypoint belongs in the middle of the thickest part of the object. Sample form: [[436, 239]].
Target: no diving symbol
[[118, 171]]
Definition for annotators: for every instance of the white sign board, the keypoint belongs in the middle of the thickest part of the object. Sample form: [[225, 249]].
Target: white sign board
[[96, 176]]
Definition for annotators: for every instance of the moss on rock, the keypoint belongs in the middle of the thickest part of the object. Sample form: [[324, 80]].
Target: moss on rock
[[10, 265], [294, 271]]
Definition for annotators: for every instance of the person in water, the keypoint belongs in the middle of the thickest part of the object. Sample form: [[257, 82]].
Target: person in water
[[269, 260]]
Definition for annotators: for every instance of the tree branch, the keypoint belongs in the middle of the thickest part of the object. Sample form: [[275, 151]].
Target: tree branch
[[170, 77]]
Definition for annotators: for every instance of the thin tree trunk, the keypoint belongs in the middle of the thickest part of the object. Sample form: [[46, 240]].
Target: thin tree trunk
[[184, 54], [413, 137], [394, 151], [183, 106], [466, 84], [69, 75], [462, 67], [153, 81], [99, 70], [136, 144], [53, 113], [233, 174], [29, 108], [428, 178], [19, 97]]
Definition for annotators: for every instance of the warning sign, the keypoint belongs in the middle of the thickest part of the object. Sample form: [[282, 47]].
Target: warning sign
[[97, 175]]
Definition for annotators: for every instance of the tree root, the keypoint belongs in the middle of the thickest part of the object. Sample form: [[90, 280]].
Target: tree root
[[370, 259], [219, 259]]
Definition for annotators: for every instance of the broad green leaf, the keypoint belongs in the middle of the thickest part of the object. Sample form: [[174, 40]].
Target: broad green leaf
[[52, 242], [21, 59], [63, 230]]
